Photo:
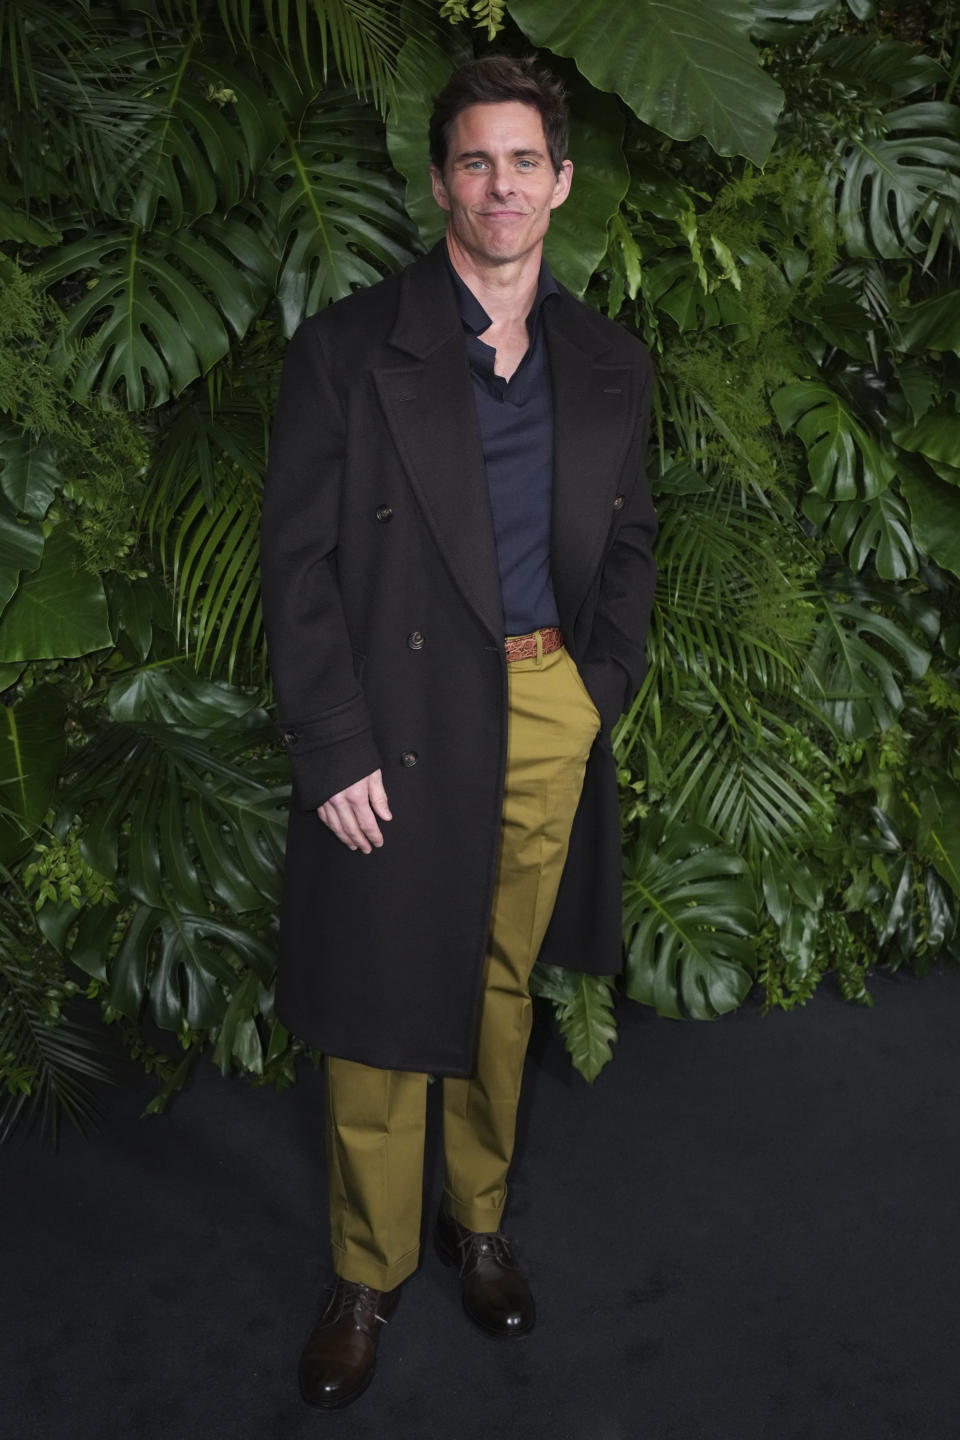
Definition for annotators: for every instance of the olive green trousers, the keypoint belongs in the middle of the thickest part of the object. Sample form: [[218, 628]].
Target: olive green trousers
[[376, 1118]]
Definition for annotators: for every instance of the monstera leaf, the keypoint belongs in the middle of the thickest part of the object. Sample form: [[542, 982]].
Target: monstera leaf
[[860, 529], [179, 817], [173, 695], [190, 833], [337, 209], [153, 317], [899, 191], [860, 659], [690, 910], [686, 69], [844, 460], [204, 131], [180, 964]]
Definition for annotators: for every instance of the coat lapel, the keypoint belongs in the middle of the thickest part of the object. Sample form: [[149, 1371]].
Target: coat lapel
[[594, 412], [430, 409]]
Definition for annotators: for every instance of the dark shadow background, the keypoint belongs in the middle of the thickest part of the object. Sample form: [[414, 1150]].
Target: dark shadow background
[[745, 1229]]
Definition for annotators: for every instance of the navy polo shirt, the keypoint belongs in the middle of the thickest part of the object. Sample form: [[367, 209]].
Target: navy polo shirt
[[516, 430]]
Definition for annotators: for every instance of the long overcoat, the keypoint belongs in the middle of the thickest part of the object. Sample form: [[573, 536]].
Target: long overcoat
[[384, 623]]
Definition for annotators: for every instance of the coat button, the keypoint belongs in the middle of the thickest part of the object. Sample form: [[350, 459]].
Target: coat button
[[408, 758], [618, 503], [384, 513], [415, 640], [290, 737]]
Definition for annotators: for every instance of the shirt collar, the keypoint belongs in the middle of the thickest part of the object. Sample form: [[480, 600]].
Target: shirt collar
[[475, 318]]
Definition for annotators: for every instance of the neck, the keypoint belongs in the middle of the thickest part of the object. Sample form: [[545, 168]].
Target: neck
[[506, 291]]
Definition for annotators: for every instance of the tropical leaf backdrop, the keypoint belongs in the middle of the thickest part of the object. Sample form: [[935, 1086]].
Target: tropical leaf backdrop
[[767, 194]]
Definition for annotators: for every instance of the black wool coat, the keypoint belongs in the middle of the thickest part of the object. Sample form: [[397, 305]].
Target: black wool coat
[[382, 606]]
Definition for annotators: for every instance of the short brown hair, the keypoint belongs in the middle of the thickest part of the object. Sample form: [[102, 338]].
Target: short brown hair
[[493, 80]]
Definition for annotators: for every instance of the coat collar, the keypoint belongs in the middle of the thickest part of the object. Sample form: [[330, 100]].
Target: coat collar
[[428, 315]]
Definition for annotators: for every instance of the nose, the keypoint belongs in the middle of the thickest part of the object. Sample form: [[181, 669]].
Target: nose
[[501, 180]]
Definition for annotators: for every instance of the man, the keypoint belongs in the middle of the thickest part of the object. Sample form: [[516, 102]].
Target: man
[[457, 579]]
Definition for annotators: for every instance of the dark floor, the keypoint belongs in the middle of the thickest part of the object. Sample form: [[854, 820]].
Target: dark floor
[[744, 1230]]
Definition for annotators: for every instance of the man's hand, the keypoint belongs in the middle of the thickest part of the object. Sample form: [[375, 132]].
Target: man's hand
[[352, 813]]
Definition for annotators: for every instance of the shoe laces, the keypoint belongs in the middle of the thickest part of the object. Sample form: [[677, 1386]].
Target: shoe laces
[[363, 1300], [475, 1247]]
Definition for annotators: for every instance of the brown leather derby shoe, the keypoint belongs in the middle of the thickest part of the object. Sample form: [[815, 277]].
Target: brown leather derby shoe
[[496, 1295], [339, 1359]]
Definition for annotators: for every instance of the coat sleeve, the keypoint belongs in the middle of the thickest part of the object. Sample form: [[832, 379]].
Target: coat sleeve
[[323, 716], [615, 661]]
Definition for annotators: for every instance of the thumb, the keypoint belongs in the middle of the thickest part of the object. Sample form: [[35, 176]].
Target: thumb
[[378, 796]]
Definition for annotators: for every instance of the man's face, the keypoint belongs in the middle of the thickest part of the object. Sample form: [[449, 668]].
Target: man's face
[[499, 186]]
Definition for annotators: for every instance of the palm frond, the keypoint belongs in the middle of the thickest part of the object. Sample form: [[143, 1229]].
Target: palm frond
[[33, 30], [738, 777], [359, 39], [204, 517], [49, 1060], [727, 606]]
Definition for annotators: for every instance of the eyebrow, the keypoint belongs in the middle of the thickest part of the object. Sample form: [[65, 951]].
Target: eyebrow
[[518, 154]]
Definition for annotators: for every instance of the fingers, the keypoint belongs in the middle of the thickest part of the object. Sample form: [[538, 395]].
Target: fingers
[[350, 814]]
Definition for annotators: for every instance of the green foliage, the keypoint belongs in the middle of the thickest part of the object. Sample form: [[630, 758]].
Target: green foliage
[[845, 462], [147, 308], [49, 1060], [32, 749], [181, 185], [689, 915], [900, 192], [584, 1010], [58, 610], [486, 15], [684, 69]]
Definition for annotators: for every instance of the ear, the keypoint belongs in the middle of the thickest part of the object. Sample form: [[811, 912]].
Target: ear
[[439, 189], [562, 188]]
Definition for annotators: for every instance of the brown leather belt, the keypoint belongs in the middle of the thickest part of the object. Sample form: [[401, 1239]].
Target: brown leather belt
[[525, 647]]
